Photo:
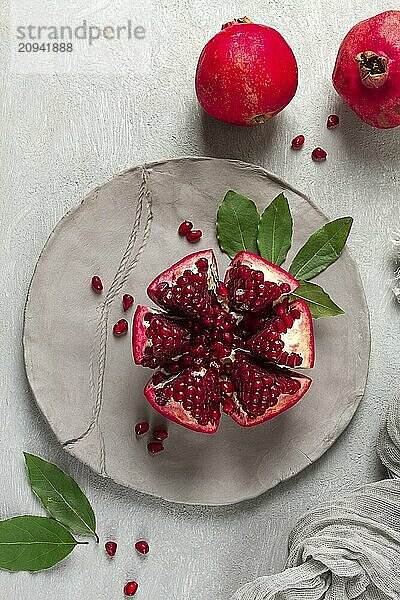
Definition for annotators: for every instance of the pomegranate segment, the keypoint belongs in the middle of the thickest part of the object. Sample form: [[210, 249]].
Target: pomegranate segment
[[214, 345], [254, 284], [184, 288], [192, 399], [157, 338], [287, 338], [263, 391]]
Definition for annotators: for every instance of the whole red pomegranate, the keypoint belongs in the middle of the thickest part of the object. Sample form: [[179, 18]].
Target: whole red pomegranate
[[223, 346], [367, 70], [246, 74]]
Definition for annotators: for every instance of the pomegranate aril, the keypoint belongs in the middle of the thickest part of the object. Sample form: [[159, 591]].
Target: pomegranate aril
[[227, 406], [111, 548], [160, 434], [298, 142], [202, 264], [222, 290], [120, 327], [155, 447], [184, 228], [288, 321], [283, 358], [318, 155], [285, 288], [142, 428], [142, 547], [97, 284], [332, 122], [127, 301], [295, 313], [194, 235], [130, 588], [298, 360]]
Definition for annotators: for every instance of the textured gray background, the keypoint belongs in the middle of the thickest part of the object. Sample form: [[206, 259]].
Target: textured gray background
[[63, 135]]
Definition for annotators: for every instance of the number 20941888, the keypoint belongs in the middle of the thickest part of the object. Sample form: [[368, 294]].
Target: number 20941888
[[45, 47]]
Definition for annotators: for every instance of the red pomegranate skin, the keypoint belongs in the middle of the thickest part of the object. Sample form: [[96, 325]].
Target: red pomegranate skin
[[246, 74], [377, 106]]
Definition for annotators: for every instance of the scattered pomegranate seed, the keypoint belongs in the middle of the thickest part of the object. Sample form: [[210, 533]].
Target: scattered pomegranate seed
[[318, 155], [130, 588], [120, 327], [127, 301], [332, 122], [141, 428], [298, 142], [97, 284], [155, 447], [194, 235], [111, 548], [142, 547], [160, 434], [184, 228]]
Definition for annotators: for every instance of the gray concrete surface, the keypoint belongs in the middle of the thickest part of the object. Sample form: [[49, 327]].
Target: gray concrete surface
[[62, 134]]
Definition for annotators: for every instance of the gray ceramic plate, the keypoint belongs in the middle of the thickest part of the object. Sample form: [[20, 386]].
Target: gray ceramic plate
[[84, 380]]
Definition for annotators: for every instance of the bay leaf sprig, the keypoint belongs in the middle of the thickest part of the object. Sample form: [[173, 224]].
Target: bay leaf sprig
[[240, 227], [33, 543], [30, 543], [321, 249], [61, 496], [319, 302], [237, 224], [274, 236]]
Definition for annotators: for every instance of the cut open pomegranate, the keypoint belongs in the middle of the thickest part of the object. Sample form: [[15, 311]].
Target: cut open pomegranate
[[223, 346]]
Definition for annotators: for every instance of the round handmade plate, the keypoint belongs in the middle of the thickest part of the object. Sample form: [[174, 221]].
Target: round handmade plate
[[84, 379]]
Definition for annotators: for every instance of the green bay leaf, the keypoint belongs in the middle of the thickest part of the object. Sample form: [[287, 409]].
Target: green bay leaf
[[237, 224], [275, 231], [319, 302], [30, 543], [321, 249], [61, 496]]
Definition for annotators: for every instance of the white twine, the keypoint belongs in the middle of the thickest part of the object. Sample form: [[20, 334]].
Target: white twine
[[99, 347]]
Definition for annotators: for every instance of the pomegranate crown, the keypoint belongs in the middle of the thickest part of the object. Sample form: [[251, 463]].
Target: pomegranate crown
[[236, 22], [373, 69]]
